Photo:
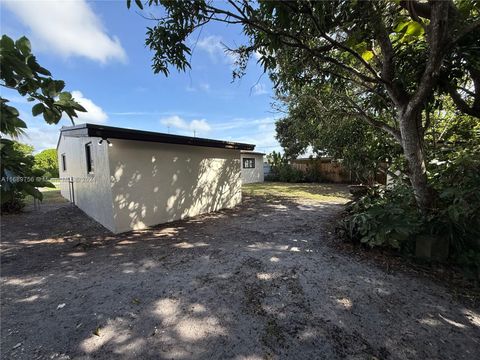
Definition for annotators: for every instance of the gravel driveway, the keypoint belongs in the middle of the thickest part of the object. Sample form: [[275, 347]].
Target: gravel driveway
[[256, 282]]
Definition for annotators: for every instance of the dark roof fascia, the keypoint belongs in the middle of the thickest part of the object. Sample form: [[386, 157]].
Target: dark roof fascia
[[110, 132], [246, 152]]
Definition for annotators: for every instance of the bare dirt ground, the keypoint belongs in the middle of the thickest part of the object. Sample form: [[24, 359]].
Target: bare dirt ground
[[256, 282]]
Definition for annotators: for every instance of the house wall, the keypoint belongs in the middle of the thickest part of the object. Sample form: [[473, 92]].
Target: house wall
[[153, 183], [92, 192], [252, 175]]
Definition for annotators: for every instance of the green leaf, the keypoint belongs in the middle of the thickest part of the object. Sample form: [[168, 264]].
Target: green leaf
[[400, 26], [415, 29], [38, 109], [65, 96], [23, 44], [6, 43], [367, 55]]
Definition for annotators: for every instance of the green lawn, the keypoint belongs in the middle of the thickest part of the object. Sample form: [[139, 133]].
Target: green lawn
[[323, 192], [50, 195]]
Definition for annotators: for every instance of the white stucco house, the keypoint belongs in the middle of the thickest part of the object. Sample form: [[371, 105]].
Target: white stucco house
[[130, 179], [252, 166]]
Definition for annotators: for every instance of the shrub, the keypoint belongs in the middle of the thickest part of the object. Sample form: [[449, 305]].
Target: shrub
[[383, 217], [18, 177], [281, 170], [389, 217]]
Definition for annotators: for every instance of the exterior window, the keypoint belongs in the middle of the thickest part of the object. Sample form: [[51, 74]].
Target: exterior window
[[89, 158], [64, 162], [248, 163]]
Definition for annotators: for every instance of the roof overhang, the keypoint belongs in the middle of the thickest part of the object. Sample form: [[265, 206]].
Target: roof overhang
[[247, 152], [110, 132]]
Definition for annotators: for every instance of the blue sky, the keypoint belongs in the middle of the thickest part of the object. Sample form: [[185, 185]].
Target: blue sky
[[98, 48]]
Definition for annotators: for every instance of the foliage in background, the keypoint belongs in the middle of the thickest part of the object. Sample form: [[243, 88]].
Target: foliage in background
[[47, 160], [20, 71], [281, 170], [19, 178], [316, 121]]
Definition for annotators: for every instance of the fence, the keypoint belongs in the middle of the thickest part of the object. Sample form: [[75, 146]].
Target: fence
[[332, 171]]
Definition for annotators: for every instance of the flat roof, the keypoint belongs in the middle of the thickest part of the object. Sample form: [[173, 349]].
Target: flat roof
[[110, 132], [252, 152]]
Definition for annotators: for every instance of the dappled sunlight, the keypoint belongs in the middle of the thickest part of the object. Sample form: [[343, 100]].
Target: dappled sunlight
[[43, 241], [29, 299], [430, 321], [189, 183], [186, 245], [126, 242], [188, 328], [472, 317], [76, 254], [239, 283], [110, 332], [345, 303], [267, 276], [451, 322], [32, 281]]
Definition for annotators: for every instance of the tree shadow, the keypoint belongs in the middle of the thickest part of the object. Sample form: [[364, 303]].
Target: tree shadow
[[257, 281]]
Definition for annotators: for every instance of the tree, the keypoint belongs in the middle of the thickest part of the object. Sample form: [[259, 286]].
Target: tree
[[19, 178], [398, 55], [19, 70], [25, 149], [47, 160]]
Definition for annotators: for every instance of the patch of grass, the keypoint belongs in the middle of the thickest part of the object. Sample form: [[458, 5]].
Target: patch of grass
[[50, 195], [322, 192]]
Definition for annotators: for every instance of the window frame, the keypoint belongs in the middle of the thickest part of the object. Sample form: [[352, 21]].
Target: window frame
[[89, 158], [247, 161], [64, 162]]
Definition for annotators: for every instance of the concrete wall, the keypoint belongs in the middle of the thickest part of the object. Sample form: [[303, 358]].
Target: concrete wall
[[92, 192], [252, 175], [153, 183]]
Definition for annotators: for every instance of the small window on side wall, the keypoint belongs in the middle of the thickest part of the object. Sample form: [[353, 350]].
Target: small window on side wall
[[248, 163], [89, 158], [64, 162]]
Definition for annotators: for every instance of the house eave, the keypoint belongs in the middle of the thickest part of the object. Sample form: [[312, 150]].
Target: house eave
[[110, 132]]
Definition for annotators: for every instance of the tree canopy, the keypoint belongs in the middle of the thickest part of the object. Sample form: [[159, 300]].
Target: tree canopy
[[385, 61], [20, 71], [47, 160]]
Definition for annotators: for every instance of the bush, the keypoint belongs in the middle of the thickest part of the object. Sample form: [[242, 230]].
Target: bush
[[383, 217], [14, 205], [18, 176], [389, 217], [281, 171]]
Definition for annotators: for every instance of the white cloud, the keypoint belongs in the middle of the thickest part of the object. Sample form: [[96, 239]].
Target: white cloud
[[239, 123], [259, 89], [257, 131], [204, 87], [177, 122], [41, 137], [68, 28], [213, 46], [94, 114]]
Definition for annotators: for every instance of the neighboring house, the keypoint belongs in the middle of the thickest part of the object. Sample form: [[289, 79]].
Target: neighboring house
[[252, 167], [129, 179]]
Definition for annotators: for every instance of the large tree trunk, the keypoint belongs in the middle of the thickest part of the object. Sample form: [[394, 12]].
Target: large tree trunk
[[412, 143]]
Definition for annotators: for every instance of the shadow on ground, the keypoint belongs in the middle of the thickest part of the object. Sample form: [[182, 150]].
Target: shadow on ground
[[254, 282]]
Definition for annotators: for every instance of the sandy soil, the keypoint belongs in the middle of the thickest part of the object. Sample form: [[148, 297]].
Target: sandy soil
[[256, 282]]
